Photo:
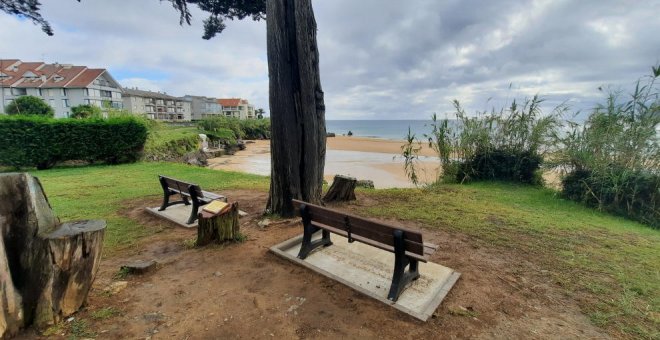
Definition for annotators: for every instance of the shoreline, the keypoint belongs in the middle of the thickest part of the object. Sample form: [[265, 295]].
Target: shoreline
[[364, 158], [372, 144]]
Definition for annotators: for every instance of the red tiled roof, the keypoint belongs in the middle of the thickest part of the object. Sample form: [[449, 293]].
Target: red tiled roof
[[230, 101], [4, 63], [72, 76], [86, 78]]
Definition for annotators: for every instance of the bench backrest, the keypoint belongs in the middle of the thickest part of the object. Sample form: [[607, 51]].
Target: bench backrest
[[181, 186], [366, 231]]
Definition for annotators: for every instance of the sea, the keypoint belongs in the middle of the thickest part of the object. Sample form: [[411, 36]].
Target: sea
[[385, 129]]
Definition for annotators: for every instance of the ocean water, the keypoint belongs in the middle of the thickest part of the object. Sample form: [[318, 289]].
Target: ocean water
[[386, 129]]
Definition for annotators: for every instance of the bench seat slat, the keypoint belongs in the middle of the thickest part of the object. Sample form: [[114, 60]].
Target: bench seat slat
[[377, 236], [368, 241], [329, 217], [334, 218], [211, 195]]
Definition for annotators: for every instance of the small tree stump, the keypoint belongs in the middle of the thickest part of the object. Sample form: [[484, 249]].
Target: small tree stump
[[218, 228], [75, 256], [342, 189]]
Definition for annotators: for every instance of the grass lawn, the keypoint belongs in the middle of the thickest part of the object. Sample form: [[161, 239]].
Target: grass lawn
[[609, 265], [99, 192]]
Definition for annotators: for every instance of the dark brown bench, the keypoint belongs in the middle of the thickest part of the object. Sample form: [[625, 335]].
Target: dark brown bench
[[406, 244], [186, 190]]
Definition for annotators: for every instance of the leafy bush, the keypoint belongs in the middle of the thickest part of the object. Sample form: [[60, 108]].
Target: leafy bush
[[43, 142], [501, 164], [613, 159], [86, 111], [507, 145], [222, 135], [635, 194], [30, 105], [256, 128], [241, 129], [220, 122]]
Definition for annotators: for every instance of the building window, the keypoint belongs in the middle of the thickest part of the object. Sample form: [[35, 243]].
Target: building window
[[87, 102], [63, 92], [51, 102], [65, 103], [18, 91], [106, 94]]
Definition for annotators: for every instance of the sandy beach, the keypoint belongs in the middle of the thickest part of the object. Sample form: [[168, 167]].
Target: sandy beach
[[373, 159]]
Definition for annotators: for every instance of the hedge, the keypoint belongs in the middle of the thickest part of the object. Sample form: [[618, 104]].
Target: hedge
[[30, 141], [634, 194]]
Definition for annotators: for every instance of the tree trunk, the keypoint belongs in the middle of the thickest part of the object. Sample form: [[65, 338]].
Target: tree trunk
[[296, 103], [342, 189], [218, 228], [46, 269]]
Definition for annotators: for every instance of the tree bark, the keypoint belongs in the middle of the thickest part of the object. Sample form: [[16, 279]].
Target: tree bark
[[11, 313], [341, 190], [218, 228], [296, 103]]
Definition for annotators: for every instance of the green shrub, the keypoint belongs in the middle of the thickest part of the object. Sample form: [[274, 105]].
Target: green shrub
[[241, 129], [256, 128], [220, 122], [41, 142], [86, 111], [634, 194], [499, 164], [30, 105], [506, 145], [612, 160], [222, 135]]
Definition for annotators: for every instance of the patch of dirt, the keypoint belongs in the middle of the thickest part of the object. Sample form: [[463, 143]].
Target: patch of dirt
[[243, 291]]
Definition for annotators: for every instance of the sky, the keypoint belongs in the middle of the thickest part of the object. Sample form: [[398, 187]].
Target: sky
[[378, 59]]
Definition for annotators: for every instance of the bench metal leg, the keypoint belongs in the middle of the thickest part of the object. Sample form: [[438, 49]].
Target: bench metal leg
[[166, 194], [401, 277], [193, 212], [308, 245]]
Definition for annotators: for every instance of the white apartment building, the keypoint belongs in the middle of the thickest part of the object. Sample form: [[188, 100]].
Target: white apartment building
[[237, 108], [156, 105], [60, 85]]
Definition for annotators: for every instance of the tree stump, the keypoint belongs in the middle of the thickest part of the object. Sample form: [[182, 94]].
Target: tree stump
[[75, 256], [342, 189], [46, 268], [218, 228]]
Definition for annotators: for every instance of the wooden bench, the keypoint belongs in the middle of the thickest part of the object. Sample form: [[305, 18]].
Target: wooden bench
[[186, 190], [406, 244]]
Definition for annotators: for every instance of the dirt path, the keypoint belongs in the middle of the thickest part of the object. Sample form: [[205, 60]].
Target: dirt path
[[242, 291]]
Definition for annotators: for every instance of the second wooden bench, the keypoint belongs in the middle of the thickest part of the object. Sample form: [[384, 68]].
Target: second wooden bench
[[407, 245]]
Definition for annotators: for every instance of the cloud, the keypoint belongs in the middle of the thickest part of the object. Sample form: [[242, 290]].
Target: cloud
[[379, 59]]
